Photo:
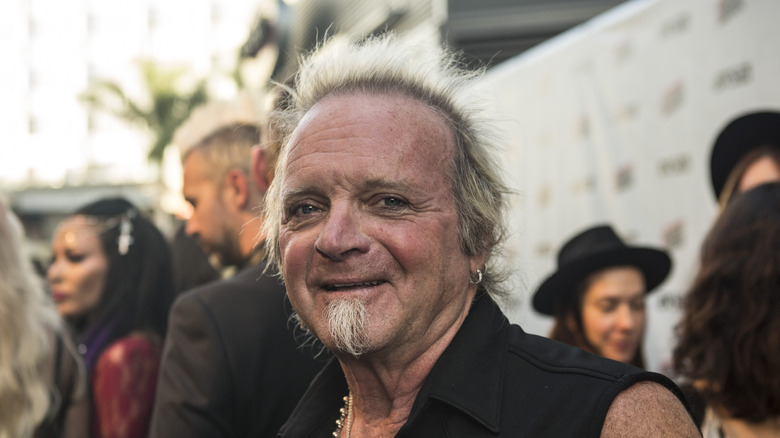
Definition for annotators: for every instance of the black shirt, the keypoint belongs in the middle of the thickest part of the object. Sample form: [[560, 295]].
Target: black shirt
[[492, 380]]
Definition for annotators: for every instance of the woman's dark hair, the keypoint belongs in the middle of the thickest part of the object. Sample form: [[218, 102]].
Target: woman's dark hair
[[569, 329], [729, 336], [139, 283]]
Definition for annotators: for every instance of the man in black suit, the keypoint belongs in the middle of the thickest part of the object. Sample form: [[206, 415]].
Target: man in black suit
[[231, 366]]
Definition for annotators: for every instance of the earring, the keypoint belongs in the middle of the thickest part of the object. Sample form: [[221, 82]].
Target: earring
[[479, 277]]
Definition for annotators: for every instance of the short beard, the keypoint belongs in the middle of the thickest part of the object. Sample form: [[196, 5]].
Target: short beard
[[229, 248], [347, 320]]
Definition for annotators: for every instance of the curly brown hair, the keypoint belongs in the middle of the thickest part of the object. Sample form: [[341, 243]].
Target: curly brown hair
[[729, 336]]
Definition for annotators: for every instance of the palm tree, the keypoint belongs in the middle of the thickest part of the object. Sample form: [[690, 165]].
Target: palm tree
[[167, 109]]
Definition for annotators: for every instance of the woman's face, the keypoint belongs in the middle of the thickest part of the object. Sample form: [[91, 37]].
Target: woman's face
[[613, 312], [761, 171], [79, 267]]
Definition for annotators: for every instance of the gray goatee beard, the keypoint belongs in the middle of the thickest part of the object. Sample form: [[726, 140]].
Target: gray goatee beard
[[347, 320]]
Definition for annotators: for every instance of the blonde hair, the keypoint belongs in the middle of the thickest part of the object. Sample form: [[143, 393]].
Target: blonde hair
[[28, 320], [426, 74]]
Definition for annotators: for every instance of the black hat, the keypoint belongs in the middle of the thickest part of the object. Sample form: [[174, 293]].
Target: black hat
[[590, 251], [739, 137]]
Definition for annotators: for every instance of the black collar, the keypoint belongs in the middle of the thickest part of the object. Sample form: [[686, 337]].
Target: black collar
[[469, 374]]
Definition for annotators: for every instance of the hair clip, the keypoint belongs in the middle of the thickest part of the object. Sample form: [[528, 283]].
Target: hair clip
[[125, 228]]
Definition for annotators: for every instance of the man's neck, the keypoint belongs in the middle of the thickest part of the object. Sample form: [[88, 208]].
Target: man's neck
[[385, 386]]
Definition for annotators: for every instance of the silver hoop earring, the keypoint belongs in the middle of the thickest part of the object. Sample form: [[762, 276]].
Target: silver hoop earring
[[479, 277]]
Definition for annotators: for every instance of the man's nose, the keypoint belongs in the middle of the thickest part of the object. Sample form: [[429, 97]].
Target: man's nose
[[341, 233]]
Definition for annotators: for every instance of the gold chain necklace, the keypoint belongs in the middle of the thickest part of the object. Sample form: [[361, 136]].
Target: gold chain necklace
[[345, 417]]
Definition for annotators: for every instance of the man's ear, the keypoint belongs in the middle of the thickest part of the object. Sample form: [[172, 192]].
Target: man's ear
[[237, 188], [261, 171]]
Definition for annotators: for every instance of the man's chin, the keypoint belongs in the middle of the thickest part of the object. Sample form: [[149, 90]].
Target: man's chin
[[347, 320]]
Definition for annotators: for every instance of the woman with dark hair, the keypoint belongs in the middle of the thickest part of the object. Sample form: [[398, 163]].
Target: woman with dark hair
[[729, 336], [597, 295], [111, 278]]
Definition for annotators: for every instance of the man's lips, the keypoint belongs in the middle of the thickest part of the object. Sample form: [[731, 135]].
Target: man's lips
[[58, 296], [346, 286]]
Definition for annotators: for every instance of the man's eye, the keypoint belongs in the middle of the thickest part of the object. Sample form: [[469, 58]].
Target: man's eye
[[393, 202], [306, 209]]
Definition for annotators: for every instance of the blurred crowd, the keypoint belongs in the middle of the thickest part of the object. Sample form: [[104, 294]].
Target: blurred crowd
[[131, 334]]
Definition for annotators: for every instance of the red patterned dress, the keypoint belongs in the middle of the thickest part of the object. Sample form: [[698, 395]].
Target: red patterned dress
[[123, 386]]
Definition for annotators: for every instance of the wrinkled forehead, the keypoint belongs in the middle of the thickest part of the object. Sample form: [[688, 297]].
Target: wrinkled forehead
[[361, 121]]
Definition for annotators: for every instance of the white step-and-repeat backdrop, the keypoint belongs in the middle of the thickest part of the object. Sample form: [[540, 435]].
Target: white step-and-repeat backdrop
[[613, 122]]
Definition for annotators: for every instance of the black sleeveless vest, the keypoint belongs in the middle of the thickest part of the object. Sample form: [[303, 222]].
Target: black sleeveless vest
[[494, 380]]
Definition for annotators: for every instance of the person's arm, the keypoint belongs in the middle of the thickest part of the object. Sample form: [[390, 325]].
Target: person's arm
[[194, 389], [124, 381], [648, 409]]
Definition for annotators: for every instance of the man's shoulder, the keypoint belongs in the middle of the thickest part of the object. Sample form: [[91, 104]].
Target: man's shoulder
[[648, 409], [553, 371], [555, 357]]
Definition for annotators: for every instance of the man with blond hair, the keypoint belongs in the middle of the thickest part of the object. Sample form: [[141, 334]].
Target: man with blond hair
[[385, 215]]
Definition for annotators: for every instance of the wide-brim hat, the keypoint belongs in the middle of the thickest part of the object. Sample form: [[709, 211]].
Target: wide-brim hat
[[739, 137], [590, 251]]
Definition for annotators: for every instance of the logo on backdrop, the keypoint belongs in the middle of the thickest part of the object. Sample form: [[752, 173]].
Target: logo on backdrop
[[583, 127], [626, 112], [624, 178], [727, 9], [671, 301], [544, 249], [583, 185], [545, 193], [733, 77], [676, 165], [676, 26], [674, 234], [623, 51], [673, 98]]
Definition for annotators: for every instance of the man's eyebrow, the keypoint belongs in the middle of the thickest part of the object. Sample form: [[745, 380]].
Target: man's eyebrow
[[370, 185], [299, 192], [376, 184]]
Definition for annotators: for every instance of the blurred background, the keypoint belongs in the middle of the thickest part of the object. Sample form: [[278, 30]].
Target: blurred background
[[92, 90], [605, 109]]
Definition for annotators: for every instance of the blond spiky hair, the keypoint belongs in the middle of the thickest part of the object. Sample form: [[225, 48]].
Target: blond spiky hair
[[427, 74]]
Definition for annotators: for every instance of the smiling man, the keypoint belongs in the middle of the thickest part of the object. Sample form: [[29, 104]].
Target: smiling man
[[384, 216]]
